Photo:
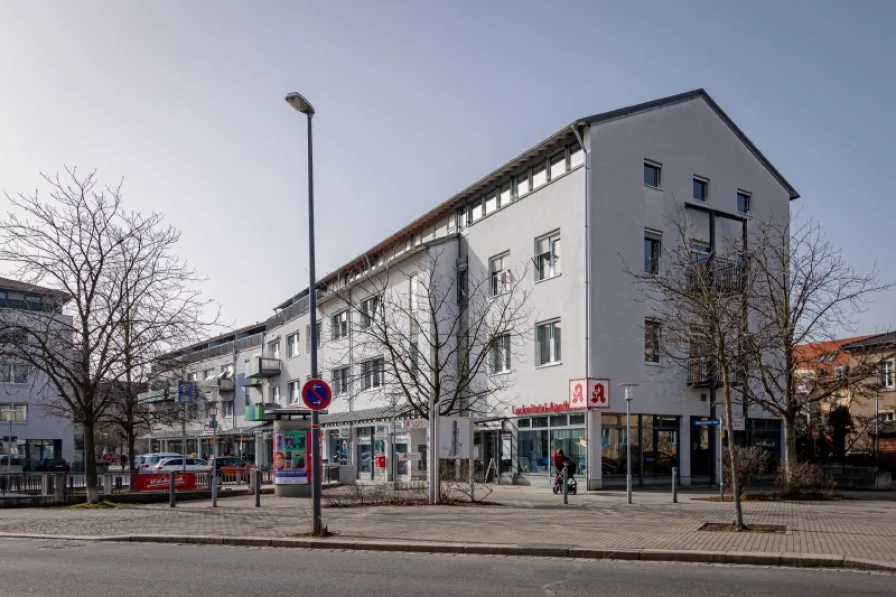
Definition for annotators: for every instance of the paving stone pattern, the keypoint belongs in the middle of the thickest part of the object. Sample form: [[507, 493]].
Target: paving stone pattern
[[860, 528]]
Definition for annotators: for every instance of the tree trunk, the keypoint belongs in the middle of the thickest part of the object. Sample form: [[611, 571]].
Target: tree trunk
[[735, 490], [93, 492], [132, 450], [790, 457]]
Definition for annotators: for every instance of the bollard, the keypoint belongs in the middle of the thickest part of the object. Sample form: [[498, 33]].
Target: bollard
[[565, 487], [214, 491], [257, 488], [674, 484], [171, 489]]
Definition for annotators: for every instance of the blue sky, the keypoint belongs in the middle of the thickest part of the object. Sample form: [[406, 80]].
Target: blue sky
[[416, 100]]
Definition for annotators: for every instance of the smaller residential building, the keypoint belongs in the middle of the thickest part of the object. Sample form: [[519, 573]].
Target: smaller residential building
[[26, 429]]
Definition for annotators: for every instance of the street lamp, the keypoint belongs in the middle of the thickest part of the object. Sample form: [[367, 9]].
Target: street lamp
[[629, 396], [298, 101]]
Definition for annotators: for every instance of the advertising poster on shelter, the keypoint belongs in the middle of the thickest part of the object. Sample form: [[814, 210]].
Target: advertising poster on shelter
[[291, 457]]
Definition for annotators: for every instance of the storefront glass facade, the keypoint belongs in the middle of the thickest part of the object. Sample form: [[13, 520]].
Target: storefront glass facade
[[538, 438], [654, 441]]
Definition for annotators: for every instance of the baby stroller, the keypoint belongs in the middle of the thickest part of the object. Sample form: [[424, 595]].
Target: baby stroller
[[571, 484]]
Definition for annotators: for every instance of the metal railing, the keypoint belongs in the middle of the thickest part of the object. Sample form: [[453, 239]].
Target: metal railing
[[720, 275]]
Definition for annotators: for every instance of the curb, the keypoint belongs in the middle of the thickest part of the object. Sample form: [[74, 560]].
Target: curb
[[791, 560]]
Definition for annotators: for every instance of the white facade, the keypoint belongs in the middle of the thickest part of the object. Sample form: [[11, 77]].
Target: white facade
[[24, 391], [583, 196]]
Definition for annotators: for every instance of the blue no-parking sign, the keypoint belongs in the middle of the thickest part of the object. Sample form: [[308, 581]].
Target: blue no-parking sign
[[316, 394]]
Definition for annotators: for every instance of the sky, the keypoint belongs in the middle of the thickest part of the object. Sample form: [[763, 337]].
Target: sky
[[417, 99]]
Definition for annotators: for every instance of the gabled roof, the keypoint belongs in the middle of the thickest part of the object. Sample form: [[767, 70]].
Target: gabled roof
[[687, 96], [540, 151], [818, 355]]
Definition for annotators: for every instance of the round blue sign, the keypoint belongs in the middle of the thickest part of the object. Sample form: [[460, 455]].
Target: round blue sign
[[316, 394]]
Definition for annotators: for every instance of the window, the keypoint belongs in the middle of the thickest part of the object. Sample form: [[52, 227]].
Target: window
[[539, 177], [522, 184], [17, 413], [743, 203], [208, 374], [653, 248], [500, 275], [275, 394], [652, 174], [885, 375], [227, 408], [558, 165], [414, 291], [886, 416], [320, 339], [491, 202], [372, 373], [370, 308], [547, 256], [699, 251], [504, 197], [576, 157], [274, 349], [651, 341], [833, 356], [462, 287], [13, 373], [821, 357], [547, 343], [340, 380], [501, 354], [292, 345], [294, 387], [476, 211], [701, 189], [339, 325]]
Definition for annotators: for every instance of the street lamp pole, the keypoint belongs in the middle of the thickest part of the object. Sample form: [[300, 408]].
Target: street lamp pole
[[629, 396], [297, 101]]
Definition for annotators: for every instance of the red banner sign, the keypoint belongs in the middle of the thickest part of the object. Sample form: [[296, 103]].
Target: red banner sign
[[162, 482], [548, 407]]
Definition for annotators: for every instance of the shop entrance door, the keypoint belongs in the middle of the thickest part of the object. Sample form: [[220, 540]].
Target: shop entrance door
[[701, 451]]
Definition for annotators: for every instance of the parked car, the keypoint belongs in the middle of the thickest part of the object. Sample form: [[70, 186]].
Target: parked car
[[145, 462], [6, 460], [193, 465], [228, 467], [54, 465]]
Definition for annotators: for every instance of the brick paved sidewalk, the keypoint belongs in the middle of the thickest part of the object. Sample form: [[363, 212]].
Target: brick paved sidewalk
[[852, 528]]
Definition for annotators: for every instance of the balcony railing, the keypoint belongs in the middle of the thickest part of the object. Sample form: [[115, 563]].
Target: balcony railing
[[703, 372], [266, 367], [721, 275]]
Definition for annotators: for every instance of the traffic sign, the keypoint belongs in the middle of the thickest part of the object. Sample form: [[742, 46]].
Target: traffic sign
[[707, 423], [185, 392], [316, 394]]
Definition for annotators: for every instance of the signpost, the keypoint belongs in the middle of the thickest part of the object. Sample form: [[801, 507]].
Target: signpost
[[184, 397], [316, 394]]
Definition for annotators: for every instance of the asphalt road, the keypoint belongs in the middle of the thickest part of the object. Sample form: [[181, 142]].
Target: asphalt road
[[66, 569]]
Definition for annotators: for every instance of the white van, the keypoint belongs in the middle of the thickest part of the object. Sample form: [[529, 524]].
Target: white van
[[145, 462]]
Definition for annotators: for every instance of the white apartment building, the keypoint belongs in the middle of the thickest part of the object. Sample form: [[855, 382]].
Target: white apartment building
[[28, 433], [572, 212]]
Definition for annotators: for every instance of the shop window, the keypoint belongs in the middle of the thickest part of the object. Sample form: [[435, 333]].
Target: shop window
[[540, 422], [559, 420]]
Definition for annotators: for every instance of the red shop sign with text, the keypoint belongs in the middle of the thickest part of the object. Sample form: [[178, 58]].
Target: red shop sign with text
[[161, 482]]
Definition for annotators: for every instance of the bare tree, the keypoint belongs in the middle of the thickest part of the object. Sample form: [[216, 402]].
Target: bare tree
[[438, 331], [805, 292], [696, 295], [83, 242]]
